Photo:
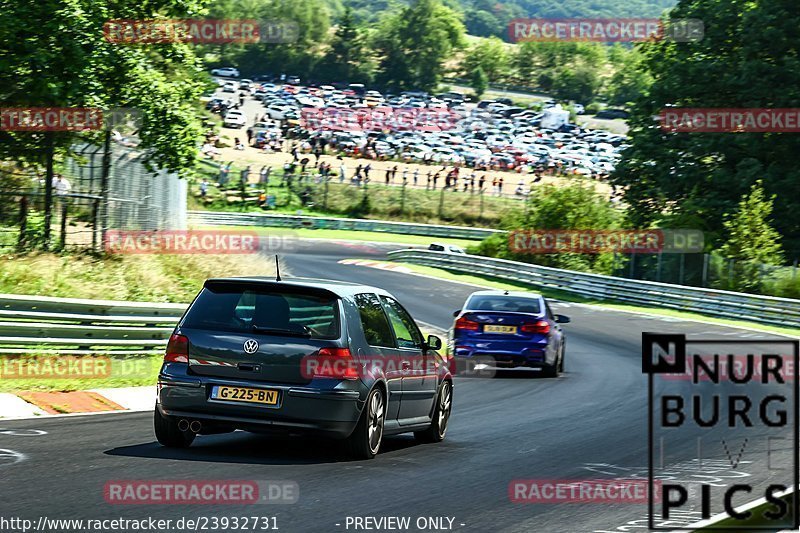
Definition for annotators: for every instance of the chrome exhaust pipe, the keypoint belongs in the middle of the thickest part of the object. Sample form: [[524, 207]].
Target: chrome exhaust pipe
[[195, 426], [183, 424]]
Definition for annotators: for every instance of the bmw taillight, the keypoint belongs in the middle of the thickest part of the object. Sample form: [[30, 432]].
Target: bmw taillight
[[467, 324], [540, 326], [177, 349]]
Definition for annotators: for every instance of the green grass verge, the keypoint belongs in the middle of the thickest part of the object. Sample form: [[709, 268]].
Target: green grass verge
[[494, 283]]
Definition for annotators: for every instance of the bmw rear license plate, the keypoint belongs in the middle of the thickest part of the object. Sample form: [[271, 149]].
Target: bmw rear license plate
[[499, 329], [245, 394]]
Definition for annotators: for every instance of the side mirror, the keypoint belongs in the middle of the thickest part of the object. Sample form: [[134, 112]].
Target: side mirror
[[456, 313], [433, 343], [561, 319]]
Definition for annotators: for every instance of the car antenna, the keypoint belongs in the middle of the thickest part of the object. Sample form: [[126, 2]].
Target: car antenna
[[277, 269]]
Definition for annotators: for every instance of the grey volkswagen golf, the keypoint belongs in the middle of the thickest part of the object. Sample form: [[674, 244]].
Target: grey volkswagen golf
[[301, 356]]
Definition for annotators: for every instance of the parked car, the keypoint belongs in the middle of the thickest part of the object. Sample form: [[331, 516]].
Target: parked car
[[301, 356], [234, 119], [229, 87], [228, 72], [508, 329]]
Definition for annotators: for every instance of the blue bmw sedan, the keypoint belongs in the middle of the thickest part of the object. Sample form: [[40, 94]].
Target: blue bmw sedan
[[508, 329]]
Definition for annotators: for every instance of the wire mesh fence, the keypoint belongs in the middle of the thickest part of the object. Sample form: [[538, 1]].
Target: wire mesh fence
[[137, 198]]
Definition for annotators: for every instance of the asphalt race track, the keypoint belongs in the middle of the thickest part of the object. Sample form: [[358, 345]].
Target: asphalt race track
[[589, 423]]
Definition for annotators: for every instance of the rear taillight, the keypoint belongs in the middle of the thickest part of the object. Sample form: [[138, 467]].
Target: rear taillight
[[177, 349], [465, 323], [336, 363], [540, 326]]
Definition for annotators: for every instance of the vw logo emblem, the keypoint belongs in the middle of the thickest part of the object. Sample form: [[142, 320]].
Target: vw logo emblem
[[250, 346]]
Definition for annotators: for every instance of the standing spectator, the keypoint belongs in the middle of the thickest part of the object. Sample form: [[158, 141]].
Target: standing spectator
[[265, 172], [61, 185], [472, 183], [342, 170], [500, 186], [481, 181], [367, 168], [428, 183], [294, 151], [388, 175], [494, 185], [203, 188], [435, 179], [394, 173], [405, 175], [416, 176]]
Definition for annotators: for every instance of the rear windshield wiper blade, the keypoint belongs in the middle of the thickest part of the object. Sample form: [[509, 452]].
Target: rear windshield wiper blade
[[280, 331]]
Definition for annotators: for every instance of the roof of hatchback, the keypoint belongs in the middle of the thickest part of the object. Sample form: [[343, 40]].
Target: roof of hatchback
[[340, 288]]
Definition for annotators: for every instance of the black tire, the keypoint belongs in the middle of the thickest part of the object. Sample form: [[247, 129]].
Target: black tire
[[551, 371], [168, 434], [365, 441], [441, 415]]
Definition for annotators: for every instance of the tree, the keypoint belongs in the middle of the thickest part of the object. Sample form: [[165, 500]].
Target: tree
[[347, 58], [750, 236], [491, 56], [479, 82], [747, 59], [549, 208], [414, 44]]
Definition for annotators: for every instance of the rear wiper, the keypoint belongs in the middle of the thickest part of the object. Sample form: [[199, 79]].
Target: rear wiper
[[280, 331]]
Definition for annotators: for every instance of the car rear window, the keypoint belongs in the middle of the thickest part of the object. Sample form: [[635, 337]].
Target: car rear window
[[251, 310], [516, 304]]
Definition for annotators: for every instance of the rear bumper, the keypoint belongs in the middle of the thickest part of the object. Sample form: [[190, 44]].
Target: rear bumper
[[502, 354], [332, 412]]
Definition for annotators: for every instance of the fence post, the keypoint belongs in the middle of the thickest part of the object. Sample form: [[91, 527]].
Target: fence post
[[706, 258], [63, 241], [325, 193], [632, 257], [403, 198], [680, 271], [480, 215], [95, 219], [441, 204], [23, 223]]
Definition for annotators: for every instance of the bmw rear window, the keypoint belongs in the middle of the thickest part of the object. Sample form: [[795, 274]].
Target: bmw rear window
[[515, 304], [268, 311]]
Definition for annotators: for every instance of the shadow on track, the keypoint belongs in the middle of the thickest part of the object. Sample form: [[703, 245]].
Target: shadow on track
[[245, 448]]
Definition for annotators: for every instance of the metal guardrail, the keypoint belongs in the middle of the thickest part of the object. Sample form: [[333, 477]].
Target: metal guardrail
[[221, 218], [73, 326], [717, 303], [37, 324]]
